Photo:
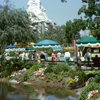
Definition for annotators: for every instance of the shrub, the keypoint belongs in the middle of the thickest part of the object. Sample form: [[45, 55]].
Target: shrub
[[27, 65], [26, 76], [49, 69], [60, 78], [61, 67], [56, 69], [4, 74], [97, 79], [35, 67]]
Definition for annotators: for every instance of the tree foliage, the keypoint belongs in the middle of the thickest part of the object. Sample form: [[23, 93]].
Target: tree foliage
[[57, 34], [92, 15], [14, 26], [72, 29]]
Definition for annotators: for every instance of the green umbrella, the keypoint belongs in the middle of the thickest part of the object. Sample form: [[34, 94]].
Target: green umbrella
[[88, 41], [46, 44]]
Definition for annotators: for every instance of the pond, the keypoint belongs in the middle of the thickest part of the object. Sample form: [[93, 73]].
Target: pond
[[23, 92]]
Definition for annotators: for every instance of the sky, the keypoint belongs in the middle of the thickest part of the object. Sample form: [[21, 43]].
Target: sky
[[56, 11]]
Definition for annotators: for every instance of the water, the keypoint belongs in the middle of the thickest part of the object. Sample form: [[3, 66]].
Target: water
[[22, 92]]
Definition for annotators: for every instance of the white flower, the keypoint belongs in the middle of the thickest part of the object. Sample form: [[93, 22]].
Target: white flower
[[76, 78], [86, 83]]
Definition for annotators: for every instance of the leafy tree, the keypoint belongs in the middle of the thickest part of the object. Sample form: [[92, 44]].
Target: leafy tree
[[92, 15], [72, 29], [14, 26], [57, 34], [68, 32], [63, 0]]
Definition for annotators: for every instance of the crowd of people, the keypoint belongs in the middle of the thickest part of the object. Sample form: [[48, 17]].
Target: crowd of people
[[35, 56], [55, 56]]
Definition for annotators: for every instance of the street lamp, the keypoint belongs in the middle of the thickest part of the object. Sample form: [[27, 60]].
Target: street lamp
[[42, 28], [76, 37]]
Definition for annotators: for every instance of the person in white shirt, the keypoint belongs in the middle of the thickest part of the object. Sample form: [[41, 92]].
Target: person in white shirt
[[79, 55], [67, 56], [58, 55], [23, 55]]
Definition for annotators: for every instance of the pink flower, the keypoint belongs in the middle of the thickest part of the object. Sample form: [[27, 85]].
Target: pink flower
[[35, 72], [93, 95], [42, 78]]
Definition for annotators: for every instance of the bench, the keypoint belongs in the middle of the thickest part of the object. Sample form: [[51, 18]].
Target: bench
[[54, 62], [92, 64], [72, 62], [86, 63]]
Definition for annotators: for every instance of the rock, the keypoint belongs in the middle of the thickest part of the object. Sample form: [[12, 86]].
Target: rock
[[38, 16], [98, 99]]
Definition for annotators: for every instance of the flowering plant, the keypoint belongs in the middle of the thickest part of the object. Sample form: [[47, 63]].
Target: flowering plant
[[76, 78], [92, 94], [40, 72], [71, 81], [89, 80]]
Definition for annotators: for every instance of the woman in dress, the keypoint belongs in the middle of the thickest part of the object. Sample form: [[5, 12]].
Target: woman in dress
[[54, 58]]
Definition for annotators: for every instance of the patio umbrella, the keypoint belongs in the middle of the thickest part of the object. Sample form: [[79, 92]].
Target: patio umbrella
[[69, 48], [57, 49], [30, 49], [10, 47], [21, 44], [46, 44], [88, 41], [31, 44]]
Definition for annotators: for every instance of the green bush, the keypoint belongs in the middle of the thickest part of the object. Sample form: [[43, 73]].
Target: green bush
[[56, 69], [17, 65], [4, 74], [97, 79], [61, 67], [27, 65], [7, 71], [12, 53], [35, 67], [26, 76], [49, 69], [60, 78]]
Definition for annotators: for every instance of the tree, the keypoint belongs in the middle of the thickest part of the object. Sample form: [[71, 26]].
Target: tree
[[57, 34], [63, 0], [68, 32], [92, 15], [72, 29], [15, 26]]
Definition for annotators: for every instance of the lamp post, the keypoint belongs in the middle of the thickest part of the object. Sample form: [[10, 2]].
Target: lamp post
[[42, 28], [76, 37]]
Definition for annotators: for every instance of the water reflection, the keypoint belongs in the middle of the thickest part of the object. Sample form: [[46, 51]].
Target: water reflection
[[22, 92]]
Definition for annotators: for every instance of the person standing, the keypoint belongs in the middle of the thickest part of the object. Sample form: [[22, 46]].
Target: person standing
[[46, 55], [30, 55], [26, 56], [67, 56], [58, 55], [54, 58], [79, 55], [35, 56], [23, 56], [88, 56]]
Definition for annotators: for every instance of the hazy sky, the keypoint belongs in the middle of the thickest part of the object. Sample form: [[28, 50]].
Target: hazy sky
[[55, 10]]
